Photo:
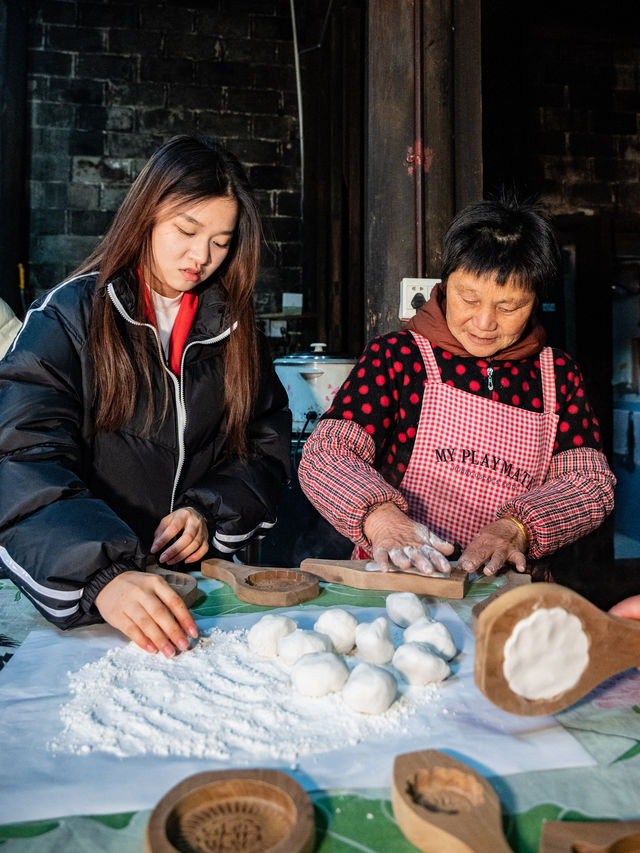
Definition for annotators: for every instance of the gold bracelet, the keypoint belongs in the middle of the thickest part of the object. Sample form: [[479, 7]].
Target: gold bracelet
[[524, 530]]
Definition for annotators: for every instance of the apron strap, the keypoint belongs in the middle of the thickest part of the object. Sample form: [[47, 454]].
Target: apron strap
[[429, 359], [547, 372]]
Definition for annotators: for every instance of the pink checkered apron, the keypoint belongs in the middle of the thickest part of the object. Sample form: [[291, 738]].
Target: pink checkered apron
[[471, 454]]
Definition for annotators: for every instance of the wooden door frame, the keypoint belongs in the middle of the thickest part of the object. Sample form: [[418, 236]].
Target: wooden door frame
[[451, 141], [13, 149]]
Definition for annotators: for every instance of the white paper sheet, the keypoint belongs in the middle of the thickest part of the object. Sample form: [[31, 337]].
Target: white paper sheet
[[37, 783]]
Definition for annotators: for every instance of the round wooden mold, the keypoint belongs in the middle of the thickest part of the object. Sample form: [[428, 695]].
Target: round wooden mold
[[185, 585], [443, 806], [278, 580], [233, 811], [266, 586]]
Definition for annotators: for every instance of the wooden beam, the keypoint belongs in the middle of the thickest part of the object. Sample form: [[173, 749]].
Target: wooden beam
[[439, 127], [467, 102], [389, 250], [13, 147]]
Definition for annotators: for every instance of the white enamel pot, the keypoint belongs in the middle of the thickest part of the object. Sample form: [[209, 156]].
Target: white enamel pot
[[311, 380]]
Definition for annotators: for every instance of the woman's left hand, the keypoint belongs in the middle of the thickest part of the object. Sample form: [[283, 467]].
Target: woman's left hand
[[191, 546], [498, 543]]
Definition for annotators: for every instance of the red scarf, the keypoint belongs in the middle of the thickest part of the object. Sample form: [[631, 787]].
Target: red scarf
[[181, 327], [430, 321]]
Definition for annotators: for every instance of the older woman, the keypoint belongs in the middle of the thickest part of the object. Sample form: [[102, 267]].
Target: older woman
[[465, 428]]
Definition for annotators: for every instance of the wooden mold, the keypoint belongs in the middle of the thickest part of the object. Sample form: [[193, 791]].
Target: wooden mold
[[185, 585], [443, 806], [269, 587], [353, 573], [513, 580], [233, 811], [590, 837], [614, 646]]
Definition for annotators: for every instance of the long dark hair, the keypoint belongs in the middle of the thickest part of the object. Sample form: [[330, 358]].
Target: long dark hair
[[185, 169], [504, 238]]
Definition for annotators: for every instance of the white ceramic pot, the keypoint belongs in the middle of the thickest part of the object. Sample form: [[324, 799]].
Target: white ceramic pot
[[311, 380]]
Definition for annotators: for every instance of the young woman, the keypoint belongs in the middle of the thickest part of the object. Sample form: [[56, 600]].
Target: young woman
[[139, 410], [465, 428]]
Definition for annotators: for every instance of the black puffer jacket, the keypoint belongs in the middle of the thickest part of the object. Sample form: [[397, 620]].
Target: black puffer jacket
[[76, 509]]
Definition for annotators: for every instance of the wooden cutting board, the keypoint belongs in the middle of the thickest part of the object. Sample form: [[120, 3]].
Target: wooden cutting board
[[590, 837], [353, 573]]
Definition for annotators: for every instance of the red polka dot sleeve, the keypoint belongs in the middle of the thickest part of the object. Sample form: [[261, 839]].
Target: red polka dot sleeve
[[575, 498], [383, 395], [337, 475]]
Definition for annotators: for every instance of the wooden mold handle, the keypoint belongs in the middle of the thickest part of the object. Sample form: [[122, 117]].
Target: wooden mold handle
[[442, 805]]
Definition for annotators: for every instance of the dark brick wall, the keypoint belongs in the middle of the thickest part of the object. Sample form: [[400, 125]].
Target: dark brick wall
[[109, 82], [588, 110], [562, 103]]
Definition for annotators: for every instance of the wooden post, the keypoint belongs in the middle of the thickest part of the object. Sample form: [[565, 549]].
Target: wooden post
[[452, 139], [13, 148], [438, 119], [467, 102], [389, 250]]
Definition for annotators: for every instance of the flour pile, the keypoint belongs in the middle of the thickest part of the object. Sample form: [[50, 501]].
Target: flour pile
[[212, 702]]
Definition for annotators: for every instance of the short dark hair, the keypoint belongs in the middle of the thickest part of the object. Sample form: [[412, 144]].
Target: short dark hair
[[506, 239]]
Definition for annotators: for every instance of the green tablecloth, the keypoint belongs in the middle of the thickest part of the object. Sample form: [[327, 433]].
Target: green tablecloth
[[608, 726]]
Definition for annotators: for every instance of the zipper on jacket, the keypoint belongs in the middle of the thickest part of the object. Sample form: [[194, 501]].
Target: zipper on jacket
[[181, 409], [181, 401], [490, 378]]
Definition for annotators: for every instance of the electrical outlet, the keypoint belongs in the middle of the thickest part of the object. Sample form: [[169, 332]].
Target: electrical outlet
[[277, 328], [414, 290]]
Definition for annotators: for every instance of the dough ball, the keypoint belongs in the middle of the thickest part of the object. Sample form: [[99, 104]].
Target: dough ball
[[369, 689], [340, 625], [419, 665], [425, 630], [373, 640], [264, 635], [319, 673], [546, 654], [293, 646], [404, 608]]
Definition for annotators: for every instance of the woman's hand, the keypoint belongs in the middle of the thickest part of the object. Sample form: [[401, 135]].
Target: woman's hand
[[498, 543], [147, 611], [628, 608], [191, 546], [400, 543]]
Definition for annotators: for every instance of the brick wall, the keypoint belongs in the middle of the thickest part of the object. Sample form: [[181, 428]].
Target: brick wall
[[110, 81], [561, 103], [588, 115]]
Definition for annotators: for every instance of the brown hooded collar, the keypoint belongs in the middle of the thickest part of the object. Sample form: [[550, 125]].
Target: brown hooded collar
[[430, 322]]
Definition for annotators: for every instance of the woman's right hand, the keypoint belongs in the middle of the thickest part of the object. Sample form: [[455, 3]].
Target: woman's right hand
[[397, 542], [145, 608]]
